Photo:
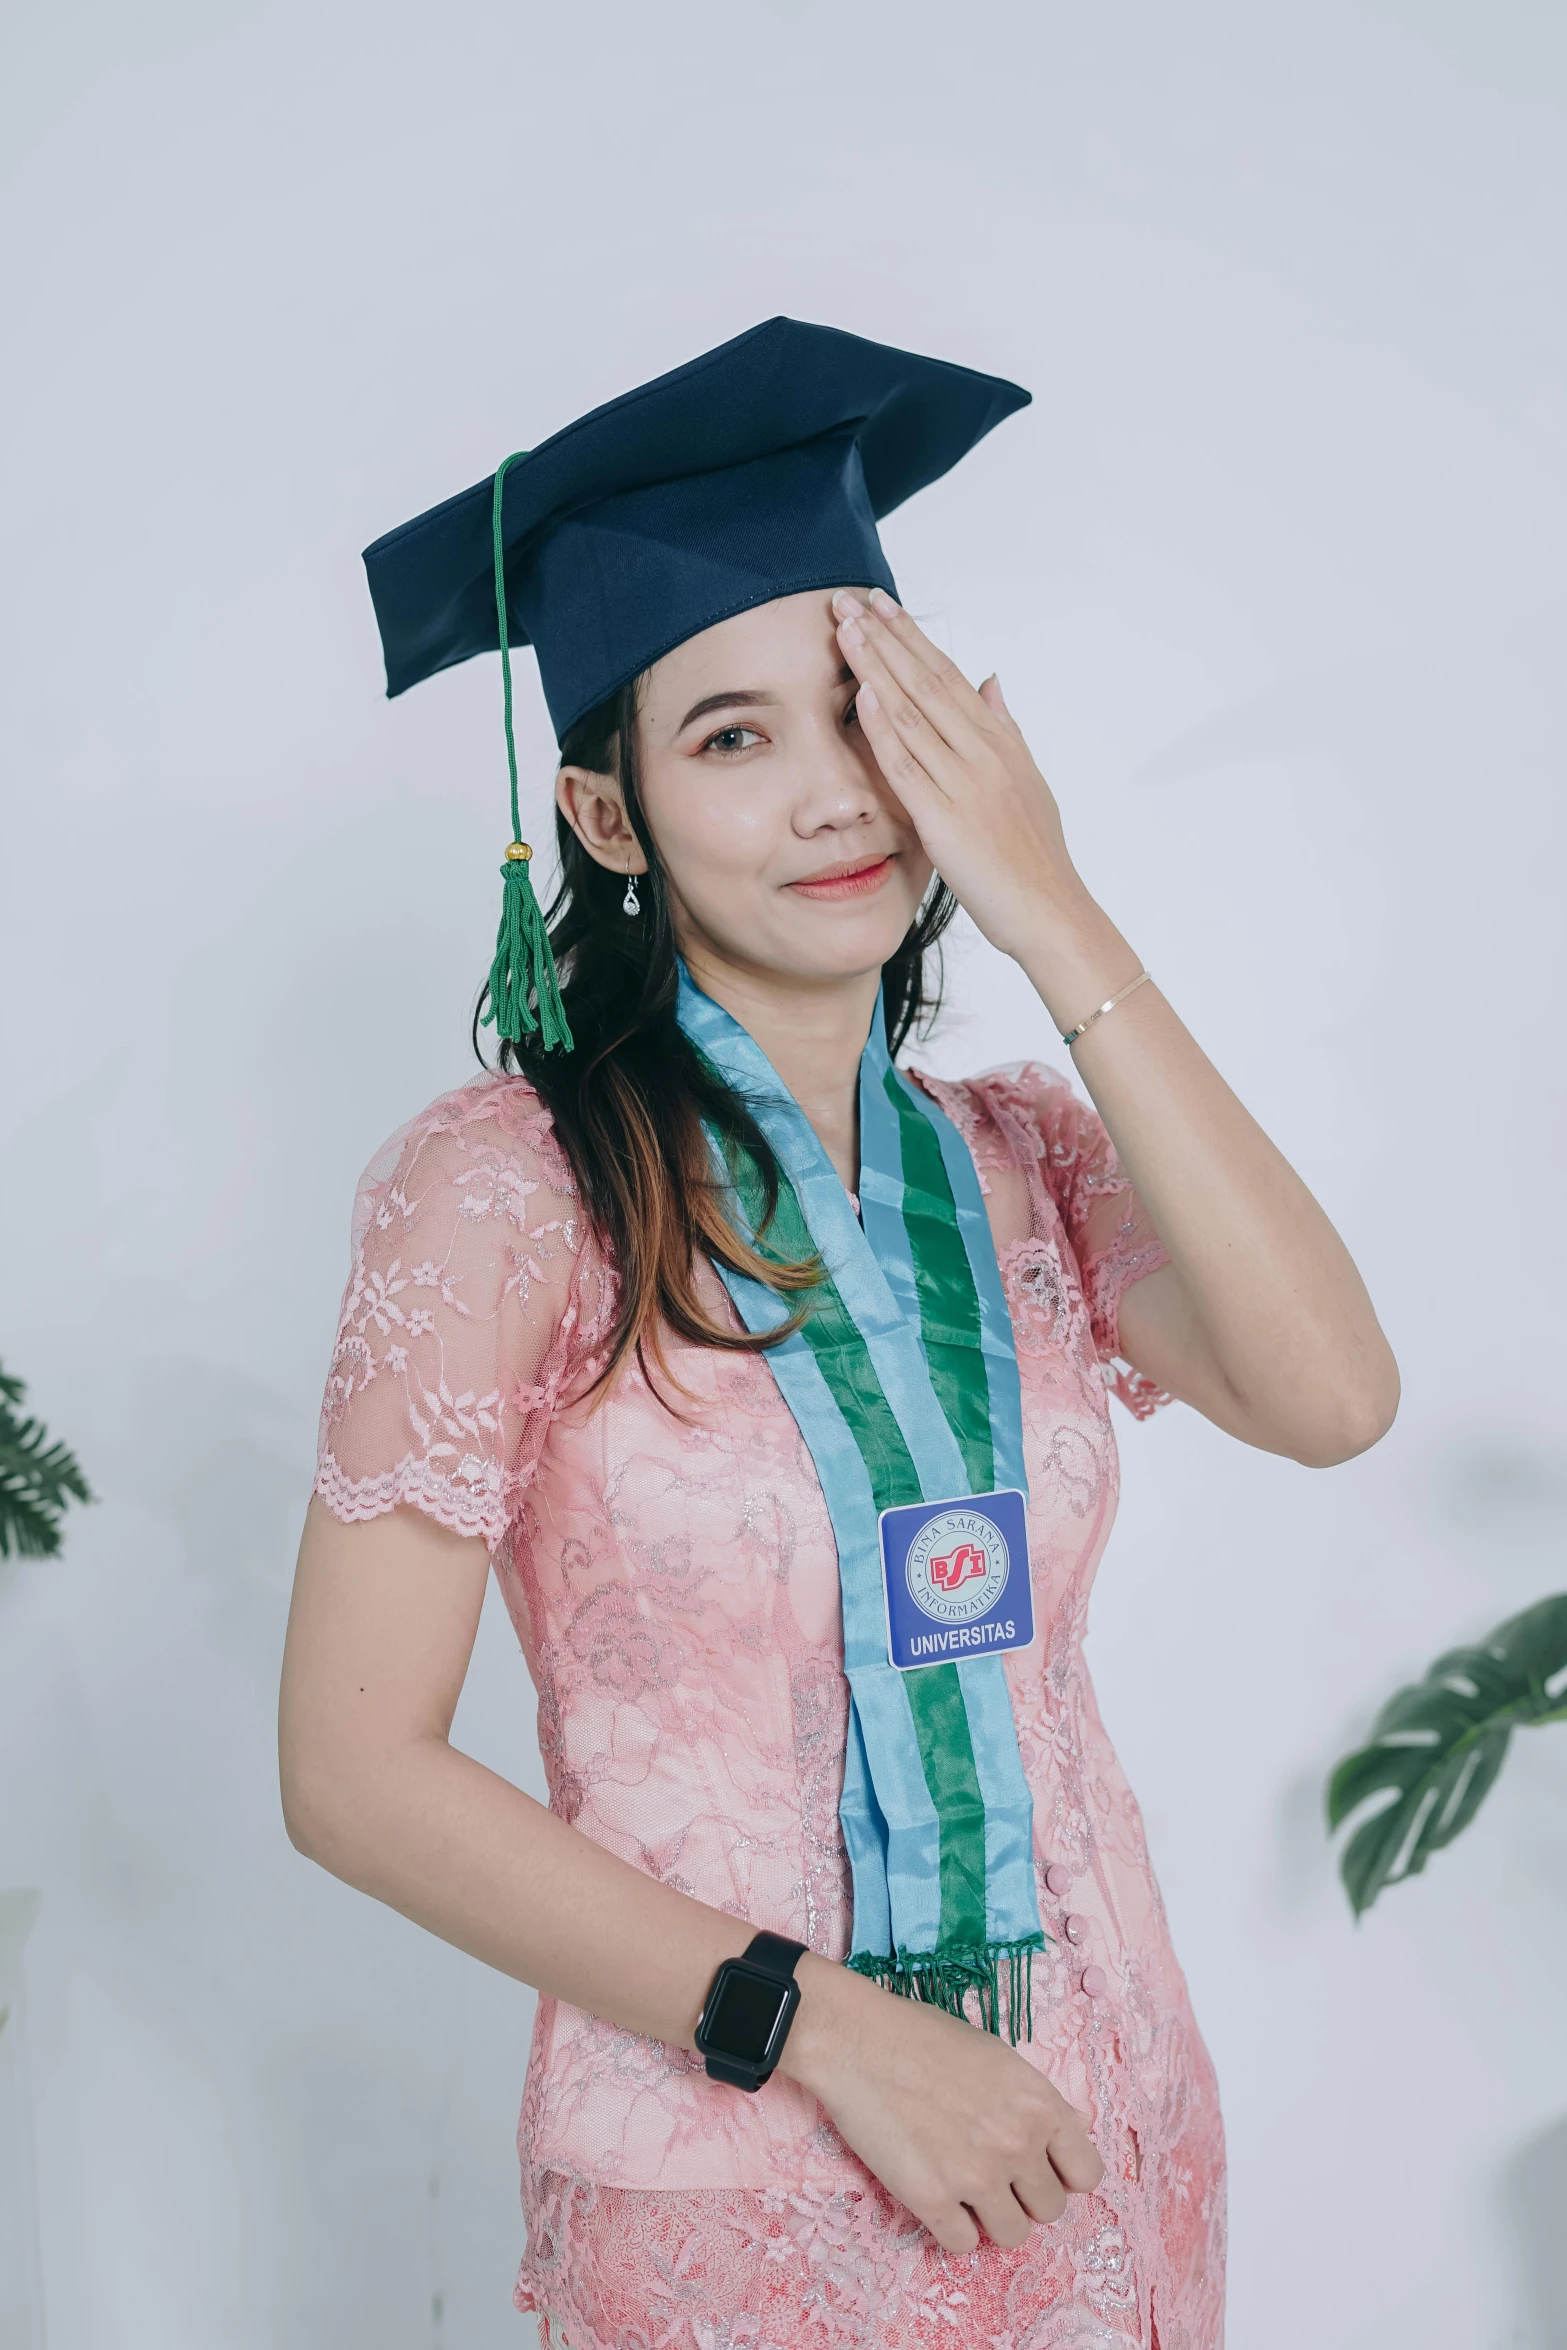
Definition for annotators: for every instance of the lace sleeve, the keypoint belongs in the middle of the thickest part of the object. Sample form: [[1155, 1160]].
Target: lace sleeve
[[454, 1335], [1111, 1236]]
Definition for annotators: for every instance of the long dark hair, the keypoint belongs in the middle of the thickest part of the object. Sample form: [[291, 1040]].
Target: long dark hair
[[631, 1102]]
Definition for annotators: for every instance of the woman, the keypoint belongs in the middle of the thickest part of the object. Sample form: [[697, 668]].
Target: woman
[[736, 1351]]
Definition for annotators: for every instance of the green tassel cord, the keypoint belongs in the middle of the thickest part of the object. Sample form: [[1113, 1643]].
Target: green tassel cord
[[950, 1981], [523, 974]]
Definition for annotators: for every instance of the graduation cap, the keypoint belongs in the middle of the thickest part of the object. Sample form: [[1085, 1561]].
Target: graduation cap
[[759, 470]]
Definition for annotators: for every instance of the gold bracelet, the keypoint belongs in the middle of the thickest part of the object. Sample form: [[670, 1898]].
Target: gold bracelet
[[1083, 1026]]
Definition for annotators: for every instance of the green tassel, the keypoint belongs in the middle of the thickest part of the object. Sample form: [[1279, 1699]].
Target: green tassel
[[949, 1980], [524, 966], [523, 971]]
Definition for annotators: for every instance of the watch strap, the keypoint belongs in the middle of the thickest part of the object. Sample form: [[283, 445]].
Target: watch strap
[[738, 2076], [775, 1954]]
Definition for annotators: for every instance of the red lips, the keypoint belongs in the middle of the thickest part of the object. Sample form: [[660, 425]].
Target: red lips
[[858, 877]]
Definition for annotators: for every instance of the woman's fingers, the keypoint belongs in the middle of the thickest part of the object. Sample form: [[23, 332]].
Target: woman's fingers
[[1067, 2164], [1039, 2191], [953, 2226], [1003, 2219], [904, 770], [904, 728], [914, 729], [935, 685], [1075, 2158], [991, 695]]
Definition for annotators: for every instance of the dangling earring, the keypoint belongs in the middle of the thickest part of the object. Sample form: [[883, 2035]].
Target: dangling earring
[[631, 903]]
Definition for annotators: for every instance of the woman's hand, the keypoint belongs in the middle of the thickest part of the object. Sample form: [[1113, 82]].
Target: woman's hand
[[985, 815], [955, 2124]]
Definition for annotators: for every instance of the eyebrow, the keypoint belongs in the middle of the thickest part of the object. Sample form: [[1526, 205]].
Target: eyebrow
[[739, 697], [745, 697]]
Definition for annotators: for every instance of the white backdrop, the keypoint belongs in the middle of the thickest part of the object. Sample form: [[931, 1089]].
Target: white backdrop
[[1271, 572]]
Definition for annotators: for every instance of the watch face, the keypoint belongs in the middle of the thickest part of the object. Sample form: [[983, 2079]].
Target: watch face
[[744, 2016]]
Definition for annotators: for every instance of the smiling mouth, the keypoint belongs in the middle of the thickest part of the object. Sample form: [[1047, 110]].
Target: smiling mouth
[[858, 879]]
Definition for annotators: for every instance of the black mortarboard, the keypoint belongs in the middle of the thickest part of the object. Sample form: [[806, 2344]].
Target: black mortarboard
[[757, 471]]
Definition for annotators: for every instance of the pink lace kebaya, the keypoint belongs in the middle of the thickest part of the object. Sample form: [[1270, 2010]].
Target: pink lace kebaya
[[673, 1583]]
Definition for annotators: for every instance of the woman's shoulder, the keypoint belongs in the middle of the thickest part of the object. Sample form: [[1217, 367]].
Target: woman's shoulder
[[464, 1313], [1015, 1107], [1028, 1118], [493, 1133]]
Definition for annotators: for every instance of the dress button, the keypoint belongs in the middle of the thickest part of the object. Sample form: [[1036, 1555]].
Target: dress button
[[1093, 1981], [1076, 1928], [1057, 1879]]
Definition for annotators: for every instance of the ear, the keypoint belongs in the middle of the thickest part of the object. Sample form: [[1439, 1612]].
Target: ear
[[592, 806]]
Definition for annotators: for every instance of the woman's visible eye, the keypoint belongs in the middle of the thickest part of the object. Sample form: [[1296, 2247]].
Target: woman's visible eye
[[851, 716], [730, 739]]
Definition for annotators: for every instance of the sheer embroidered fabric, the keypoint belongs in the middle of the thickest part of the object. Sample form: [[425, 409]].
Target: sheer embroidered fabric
[[673, 1584]]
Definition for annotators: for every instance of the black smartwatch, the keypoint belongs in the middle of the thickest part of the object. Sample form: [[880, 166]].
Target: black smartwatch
[[746, 2015]]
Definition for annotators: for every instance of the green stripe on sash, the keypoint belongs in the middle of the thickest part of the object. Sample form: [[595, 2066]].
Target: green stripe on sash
[[949, 1307], [947, 1753]]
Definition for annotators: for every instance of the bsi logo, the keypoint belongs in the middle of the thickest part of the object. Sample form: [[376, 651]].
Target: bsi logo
[[957, 1566]]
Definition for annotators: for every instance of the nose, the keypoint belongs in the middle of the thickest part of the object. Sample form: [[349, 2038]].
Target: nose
[[835, 791]]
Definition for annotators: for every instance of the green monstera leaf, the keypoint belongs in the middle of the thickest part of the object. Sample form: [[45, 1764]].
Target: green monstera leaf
[[1437, 1747], [38, 1478]]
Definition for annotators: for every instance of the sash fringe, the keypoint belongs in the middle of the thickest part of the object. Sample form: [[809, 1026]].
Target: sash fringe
[[948, 1980]]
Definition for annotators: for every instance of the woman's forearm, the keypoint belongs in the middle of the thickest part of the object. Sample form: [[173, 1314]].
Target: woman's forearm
[[1263, 1322], [380, 1633], [452, 1845], [373, 1791], [459, 1850]]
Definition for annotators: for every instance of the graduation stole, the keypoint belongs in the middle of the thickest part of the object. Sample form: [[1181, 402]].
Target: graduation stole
[[903, 1382]]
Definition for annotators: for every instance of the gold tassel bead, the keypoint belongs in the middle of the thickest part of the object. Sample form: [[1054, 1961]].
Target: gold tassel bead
[[518, 853]]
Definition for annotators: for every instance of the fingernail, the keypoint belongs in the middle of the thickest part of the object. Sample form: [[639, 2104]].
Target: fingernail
[[881, 602], [865, 699], [851, 631], [843, 602]]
